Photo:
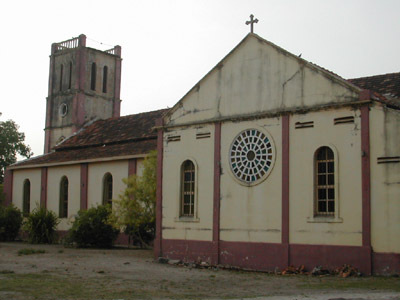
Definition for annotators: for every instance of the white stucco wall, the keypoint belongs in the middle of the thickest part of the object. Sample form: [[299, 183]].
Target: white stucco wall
[[258, 77], [345, 141], [201, 152], [96, 172], [251, 213], [19, 177], [54, 176]]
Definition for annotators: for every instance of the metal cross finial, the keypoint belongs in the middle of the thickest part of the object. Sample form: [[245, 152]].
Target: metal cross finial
[[251, 22]]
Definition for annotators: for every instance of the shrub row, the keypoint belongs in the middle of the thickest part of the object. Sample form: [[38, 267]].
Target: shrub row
[[89, 229]]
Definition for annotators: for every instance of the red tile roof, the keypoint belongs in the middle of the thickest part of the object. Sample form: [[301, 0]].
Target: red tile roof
[[387, 85], [115, 130], [116, 137]]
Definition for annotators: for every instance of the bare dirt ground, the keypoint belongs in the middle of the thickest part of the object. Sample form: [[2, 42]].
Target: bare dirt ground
[[69, 273]]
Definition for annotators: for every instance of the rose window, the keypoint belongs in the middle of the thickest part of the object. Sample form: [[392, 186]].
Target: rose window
[[251, 156]]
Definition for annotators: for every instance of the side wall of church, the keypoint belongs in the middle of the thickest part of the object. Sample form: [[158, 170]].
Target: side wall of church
[[118, 170], [201, 153], [55, 174], [345, 141], [19, 177], [385, 179]]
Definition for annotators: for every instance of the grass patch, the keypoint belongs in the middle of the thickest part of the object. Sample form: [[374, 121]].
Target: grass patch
[[49, 286], [378, 283], [29, 251]]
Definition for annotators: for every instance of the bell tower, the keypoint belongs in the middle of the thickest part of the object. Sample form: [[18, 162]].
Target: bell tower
[[84, 85]]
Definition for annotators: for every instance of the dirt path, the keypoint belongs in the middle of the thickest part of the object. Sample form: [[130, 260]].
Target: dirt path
[[68, 273]]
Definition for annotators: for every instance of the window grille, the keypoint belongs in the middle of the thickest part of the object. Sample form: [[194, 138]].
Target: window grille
[[188, 189], [325, 182]]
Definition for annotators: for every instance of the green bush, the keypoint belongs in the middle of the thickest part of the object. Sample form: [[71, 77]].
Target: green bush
[[10, 222], [41, 226], [92, 229]]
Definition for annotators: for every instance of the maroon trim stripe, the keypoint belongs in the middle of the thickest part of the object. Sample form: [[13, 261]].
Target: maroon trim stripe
[[366, 177], [43, 187], [84, 186], [217, 189], [285, 187], [8, 186], [132, 164], [160, 146], [285, 179]]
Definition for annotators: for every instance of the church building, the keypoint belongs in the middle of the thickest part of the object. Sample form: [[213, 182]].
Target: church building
[[89, 148], [268, 161]]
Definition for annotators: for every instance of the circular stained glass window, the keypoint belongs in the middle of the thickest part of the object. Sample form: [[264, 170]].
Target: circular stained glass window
[[252, 156]]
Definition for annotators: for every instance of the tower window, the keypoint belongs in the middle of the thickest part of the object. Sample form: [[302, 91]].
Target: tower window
[[105, 71], [93, 77], [26, 197], [61, 76], [63, 209], [70, 75]]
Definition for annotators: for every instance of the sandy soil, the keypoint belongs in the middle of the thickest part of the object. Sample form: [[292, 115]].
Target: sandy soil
[[136, 269]]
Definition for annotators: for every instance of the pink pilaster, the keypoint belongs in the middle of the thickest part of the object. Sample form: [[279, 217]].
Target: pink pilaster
[[366, 177], [43, 187], [217, 192], [8, 186], [160, 146], [84, 186], [132, 164], [49, 102], [117, 83], [285, 186]]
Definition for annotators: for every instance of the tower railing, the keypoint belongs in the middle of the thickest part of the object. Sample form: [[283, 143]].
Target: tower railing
[[68, 44]]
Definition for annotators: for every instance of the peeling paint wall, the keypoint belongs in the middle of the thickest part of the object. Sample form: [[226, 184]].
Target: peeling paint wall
[[385, 180], [201, 152], [345, 141], [251, 213], [258, 77]]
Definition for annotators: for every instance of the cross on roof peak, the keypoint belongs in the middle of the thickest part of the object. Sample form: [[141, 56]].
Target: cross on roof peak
[[251, 22]]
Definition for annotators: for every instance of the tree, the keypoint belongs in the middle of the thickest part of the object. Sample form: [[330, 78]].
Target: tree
[[134, 211], [11, 144]]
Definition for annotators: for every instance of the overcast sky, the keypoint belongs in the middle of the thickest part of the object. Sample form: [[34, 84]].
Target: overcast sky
[[167, 46]]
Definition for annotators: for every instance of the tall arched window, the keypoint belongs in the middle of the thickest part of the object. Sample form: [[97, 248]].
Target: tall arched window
[[70, 76], [187, 189], [63, 211], [107, 189], [26, 203], [61, 76], [93, 77], [105, 71], [324, 182]]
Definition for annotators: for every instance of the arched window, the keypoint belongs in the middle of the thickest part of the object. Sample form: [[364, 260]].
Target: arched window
[[324, 182], [70, 76], [61, 76], [93, 77], [187, 189], [26, 204], [107, 189], [105, 71], [63, 211]]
